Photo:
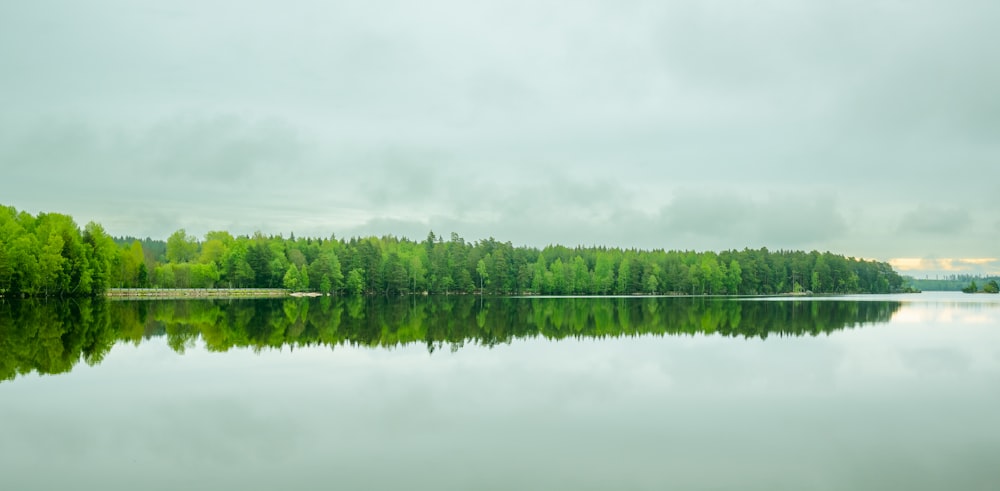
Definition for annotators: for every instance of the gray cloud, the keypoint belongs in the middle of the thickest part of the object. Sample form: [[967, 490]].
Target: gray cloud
[[935, 220], [812, 124], [780, 220], [221, 148], [691, 221]]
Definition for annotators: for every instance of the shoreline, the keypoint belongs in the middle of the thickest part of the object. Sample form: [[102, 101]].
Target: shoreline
[[180, 293], [139, 293]]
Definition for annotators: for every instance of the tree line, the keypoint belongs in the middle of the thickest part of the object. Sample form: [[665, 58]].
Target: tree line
[[990, 286], [391, 265], [949, 283], [33, 263]]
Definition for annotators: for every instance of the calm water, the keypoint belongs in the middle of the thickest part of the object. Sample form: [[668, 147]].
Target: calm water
[[893, 392]]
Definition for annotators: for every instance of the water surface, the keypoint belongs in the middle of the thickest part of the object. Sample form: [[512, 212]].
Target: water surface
[[468, 393]]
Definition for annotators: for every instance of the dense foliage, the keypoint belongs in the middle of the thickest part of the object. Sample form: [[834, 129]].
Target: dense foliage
[[48, 255], [51, 337], [391, 265]]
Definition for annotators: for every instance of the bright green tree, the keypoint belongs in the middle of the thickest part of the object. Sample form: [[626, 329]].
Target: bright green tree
[[356, 281], [181, 247], [304, 278], [623, 286], [604, 274], [103, 254], [734, 277], [291, 280], [581, 276], [483, 274], [652, 282]]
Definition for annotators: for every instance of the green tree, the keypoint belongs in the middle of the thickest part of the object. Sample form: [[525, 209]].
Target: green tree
[[326, 268], [418, 274], [623, 286], [822, 276], [291, 280], [236, 270], [259, 257], [181, 247], [164, 276], [356, 281], [304, 282], [483, 274], [202, 275], [734, 277], [696, 279], [369, 254], [652, 282], [581, 276], [130, 260], [51, 264], [394, 274], [103, 254], [711, 274], [539, 269], [604, 274], [558, 271], [212, 251]]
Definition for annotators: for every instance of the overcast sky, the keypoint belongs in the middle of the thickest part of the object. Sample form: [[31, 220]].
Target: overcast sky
[[868, 128]]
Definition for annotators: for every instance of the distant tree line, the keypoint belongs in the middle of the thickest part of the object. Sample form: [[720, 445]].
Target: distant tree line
[[390, 265], [990, 286], [949, 283]]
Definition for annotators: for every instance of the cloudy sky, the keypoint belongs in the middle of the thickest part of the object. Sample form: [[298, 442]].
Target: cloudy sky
[[868, 128]]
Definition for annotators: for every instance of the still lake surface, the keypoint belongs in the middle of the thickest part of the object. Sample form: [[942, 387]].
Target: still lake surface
[[463, 393]]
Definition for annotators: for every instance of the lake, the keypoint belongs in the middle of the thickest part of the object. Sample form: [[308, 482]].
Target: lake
[[469, 393]]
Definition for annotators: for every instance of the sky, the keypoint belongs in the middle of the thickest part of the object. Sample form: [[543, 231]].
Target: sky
[[866, 128]]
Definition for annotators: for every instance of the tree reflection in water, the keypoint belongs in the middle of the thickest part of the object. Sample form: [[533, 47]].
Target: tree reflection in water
[[50, 337]]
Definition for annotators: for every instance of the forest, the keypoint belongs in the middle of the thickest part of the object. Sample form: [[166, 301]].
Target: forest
[[49, 255], [954, 283]]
